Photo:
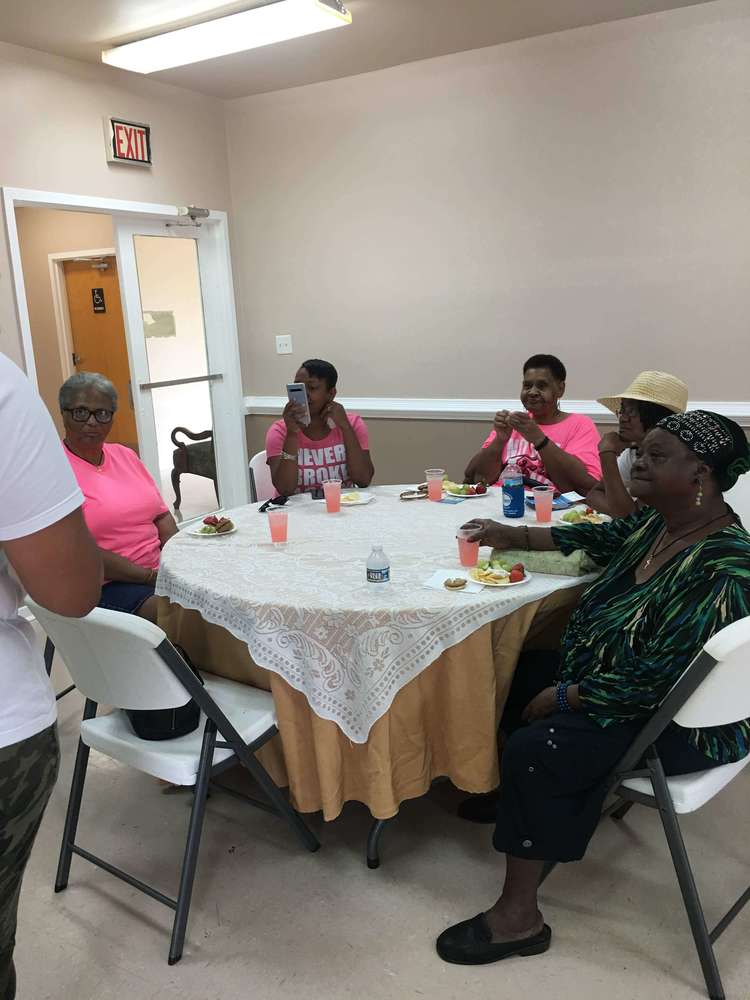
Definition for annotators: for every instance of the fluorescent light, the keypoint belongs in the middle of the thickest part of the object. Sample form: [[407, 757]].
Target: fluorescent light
[[275, 22]]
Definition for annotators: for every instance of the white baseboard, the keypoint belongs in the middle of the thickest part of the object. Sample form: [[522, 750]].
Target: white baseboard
[[393, 408]]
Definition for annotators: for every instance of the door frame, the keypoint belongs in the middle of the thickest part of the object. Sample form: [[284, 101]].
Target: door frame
[[60, 300], [236, 488]]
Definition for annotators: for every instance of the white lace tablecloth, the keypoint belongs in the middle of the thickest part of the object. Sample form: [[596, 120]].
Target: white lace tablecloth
[[306, 611]]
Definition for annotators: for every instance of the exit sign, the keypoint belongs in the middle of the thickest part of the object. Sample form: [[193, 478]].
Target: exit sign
[[127, 142]]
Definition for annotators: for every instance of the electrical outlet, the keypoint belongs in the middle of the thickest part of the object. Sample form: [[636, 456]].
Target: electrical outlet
[[284, 344]]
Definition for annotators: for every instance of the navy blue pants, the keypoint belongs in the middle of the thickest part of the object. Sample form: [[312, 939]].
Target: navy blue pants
[[554, 771]]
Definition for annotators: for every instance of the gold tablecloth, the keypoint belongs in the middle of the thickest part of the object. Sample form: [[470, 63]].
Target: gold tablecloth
[[442, 723]]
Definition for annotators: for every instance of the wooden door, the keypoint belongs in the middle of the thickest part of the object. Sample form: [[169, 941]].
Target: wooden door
[[98, 334]]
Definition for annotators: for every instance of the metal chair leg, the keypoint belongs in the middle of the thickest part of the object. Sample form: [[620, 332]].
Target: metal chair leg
[[621, 811], [373, 841], [74, 807], [283, 807], [686, 880], [192, 844]]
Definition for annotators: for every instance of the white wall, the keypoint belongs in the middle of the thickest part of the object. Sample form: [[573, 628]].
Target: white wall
[[427, 227], [51, 114]]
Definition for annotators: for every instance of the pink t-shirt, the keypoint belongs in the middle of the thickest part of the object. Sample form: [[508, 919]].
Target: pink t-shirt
[[319, 460], [577, 435], [122, 502]]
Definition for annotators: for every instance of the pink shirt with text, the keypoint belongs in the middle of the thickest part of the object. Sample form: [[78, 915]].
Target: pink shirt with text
[[321, 460], [577, 435], [122, 502]]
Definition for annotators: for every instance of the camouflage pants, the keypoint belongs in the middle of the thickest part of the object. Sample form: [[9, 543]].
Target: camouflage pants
[[28, 771]]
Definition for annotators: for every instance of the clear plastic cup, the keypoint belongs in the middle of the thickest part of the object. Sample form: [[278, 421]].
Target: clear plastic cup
[[278, 521], [332, 494], [434, 479], [543, 503], [468, 552]]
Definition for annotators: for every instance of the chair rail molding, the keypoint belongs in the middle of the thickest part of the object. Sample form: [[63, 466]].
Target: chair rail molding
[[402, 408]]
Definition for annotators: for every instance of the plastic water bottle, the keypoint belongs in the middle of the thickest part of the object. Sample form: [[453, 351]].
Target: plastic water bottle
[[513, 497], [378, 566]]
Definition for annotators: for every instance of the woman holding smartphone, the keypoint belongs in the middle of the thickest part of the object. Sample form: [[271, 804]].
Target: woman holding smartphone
[[333, 445]]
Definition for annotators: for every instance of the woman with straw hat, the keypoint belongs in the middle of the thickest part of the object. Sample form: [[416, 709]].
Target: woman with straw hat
[[648, 398]]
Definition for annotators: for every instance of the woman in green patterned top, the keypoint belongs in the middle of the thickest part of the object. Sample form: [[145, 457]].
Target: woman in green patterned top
[[673, 574]]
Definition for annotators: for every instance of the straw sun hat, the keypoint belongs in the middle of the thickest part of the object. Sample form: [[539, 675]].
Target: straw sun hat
[[652, 387]]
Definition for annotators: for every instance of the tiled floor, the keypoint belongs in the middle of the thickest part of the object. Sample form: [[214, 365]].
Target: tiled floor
[[270, 921]]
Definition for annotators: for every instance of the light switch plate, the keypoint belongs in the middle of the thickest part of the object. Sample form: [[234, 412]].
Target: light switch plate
[[284, 344]]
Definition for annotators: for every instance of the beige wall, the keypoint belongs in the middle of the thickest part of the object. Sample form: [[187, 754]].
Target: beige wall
[[427, 227], [52, 139], [42, 232]]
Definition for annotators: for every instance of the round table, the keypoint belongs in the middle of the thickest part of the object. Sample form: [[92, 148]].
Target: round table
[[407, 676]]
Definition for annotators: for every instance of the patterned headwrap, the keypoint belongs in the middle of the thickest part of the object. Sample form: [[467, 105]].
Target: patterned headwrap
[[717, 440]]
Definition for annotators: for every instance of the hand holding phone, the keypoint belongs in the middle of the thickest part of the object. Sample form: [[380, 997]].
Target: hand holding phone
[[297, 395]]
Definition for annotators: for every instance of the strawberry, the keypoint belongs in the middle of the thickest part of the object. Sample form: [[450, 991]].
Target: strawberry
[[211, 519], [480, 488], [518, 568], [516, 575]]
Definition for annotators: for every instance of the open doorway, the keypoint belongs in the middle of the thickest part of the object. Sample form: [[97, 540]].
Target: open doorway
[[76, 320]]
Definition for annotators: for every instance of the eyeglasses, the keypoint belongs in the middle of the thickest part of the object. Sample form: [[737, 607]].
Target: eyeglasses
[[627, 411], [82, 414], [275, 502]]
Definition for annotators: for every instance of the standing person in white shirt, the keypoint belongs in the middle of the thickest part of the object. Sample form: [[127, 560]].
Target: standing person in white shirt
[[44, 544]]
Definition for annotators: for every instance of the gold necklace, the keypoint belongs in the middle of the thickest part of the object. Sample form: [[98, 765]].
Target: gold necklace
[[657, 551]]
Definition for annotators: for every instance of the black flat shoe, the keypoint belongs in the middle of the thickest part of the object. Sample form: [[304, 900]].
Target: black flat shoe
[[470, 943], [480, 808]]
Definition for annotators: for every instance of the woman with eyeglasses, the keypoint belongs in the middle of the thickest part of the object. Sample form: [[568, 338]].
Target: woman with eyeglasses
[[650, 397], [123, 508]]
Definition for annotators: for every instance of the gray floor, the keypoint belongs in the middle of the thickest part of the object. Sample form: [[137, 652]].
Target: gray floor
[[271, 921]]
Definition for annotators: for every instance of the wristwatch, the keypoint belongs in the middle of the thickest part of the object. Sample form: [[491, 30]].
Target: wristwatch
[[543, 443]]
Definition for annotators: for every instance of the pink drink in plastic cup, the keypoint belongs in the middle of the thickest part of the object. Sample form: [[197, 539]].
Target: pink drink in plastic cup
[[468, 552], [278, 522], [332, 494], [543, 503], [434, 479]]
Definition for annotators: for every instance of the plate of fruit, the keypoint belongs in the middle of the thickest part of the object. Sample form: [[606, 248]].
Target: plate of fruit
[[464, 490], [499, 573], [580, 516], [213, 525]]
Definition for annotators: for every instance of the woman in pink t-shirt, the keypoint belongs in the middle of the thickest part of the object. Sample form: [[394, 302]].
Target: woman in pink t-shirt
[[123, 508], [334, 445], [552, 448]]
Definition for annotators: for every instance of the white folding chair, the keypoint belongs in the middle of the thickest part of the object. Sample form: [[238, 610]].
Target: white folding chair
[[713, 691], [124, 661], [261, 486]]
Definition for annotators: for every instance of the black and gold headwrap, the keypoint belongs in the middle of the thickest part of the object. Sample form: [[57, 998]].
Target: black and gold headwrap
[[716, 440]]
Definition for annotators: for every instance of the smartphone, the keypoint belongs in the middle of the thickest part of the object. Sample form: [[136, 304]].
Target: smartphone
[[297, 393]]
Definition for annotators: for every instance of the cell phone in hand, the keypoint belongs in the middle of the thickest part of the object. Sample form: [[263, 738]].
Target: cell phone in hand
[[297, 393]]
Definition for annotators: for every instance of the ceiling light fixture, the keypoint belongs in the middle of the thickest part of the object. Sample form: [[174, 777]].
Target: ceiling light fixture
[[250, 29]]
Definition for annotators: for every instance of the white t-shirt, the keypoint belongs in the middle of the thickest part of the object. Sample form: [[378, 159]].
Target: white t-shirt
[[37, 488], [625, 463]]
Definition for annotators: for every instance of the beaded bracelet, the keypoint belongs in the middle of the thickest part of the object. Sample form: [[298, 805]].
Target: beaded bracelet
[[561, 694]]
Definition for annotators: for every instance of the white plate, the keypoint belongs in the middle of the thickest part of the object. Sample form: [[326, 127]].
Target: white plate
[[202, 534], [363, 499], [485, 583], [467, 496]]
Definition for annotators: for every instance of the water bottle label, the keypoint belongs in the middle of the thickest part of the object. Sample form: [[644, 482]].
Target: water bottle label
[[379, 575], [507, 500]]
